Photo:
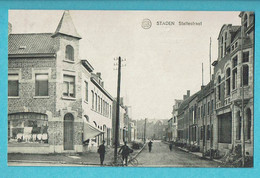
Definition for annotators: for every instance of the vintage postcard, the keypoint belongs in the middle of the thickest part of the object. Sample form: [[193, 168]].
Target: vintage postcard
[[131, 88]]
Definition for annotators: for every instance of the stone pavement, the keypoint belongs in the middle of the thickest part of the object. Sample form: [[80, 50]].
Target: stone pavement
[[87, 158]]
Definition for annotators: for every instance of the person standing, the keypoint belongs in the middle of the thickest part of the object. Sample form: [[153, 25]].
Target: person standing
[[125, 151], [102, 151], [170, 146], [150, 145]]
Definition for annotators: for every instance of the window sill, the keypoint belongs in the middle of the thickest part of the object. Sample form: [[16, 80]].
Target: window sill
[[41, 97], [238, 141], [68, 61], [13, 97], [248, 141], [68, 98]]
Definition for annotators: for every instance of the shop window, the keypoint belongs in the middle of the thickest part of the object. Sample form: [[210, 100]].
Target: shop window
[[28, 128], [69, 86], [13, 85], [41, 85], [69, 53], [225, 128]]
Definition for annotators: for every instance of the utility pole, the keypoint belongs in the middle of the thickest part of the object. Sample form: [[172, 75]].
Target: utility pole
[[243, 118], [202, 74], [145, 129], [210, 104], [117, 108]]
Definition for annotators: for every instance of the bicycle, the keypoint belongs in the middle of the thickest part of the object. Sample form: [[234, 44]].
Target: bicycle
[[131, 160]]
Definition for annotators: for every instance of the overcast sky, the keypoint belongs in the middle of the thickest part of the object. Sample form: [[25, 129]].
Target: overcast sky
[[162, 61]]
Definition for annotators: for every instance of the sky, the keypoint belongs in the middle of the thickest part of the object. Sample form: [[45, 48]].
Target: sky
[[162, 62]]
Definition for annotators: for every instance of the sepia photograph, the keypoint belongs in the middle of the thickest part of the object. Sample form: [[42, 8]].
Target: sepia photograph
[[130, 88]]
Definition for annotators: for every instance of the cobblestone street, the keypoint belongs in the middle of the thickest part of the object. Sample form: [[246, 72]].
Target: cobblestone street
[[162, 156]]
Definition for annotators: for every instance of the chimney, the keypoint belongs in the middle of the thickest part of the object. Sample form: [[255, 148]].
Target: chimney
[[188, 93], [184, 97], [102, 84], [202, 86]]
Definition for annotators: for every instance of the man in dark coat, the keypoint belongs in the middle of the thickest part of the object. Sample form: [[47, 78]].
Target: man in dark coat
[[150, 145], [125, 151], [170, 146], [102, 151]]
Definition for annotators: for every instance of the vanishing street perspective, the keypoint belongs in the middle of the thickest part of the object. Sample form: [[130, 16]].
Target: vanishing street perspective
[[131, 88]]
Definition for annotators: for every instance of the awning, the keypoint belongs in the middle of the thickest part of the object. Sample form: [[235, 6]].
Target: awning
[[90, 131]]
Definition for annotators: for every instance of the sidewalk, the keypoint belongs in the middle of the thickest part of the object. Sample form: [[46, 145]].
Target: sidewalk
[[199, 154], [87, 158]]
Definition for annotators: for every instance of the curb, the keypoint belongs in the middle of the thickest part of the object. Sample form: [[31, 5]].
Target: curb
[[187, 151]]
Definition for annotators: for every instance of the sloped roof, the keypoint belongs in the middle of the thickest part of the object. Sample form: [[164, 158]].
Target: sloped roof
[[186, 102], [66, 26], [31, 43]]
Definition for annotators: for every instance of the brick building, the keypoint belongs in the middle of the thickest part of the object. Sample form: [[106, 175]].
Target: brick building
[[50, 107], [213, 117]]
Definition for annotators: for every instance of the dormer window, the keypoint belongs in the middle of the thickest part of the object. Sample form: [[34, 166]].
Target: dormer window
[[69, 53]]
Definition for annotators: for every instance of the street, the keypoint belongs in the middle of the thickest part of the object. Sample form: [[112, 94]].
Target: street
[[162, 156]]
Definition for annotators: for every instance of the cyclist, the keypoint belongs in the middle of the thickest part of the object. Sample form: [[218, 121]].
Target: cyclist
[[125, 151]]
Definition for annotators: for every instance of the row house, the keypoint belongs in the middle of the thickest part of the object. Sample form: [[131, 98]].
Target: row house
[[172, 123], [234, 82], [214, 116], [123, 122], [55, 101]]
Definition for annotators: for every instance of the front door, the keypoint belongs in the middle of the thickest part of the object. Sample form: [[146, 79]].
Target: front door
[[68, 132]]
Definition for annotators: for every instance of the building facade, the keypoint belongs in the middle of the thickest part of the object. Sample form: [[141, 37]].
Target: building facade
[[50, 108], [220, 115]]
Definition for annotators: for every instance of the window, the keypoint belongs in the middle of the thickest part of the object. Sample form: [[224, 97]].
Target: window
[[238, 126], [92, 93], [212, 106], [199, 112], [245, 57], [96, 101], [208, 107], [110, 112], [69, 53], [86, 91], [248, 124], [228, 82], [245, 21], [69, 86], [219, 89], [41, 85], [234, 73], [28, 128], [245, 75], [13, 85], [99, 104]]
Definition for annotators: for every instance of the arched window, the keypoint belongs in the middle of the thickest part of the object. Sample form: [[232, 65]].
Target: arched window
[[219, 89], [248, 124], [245, 75], [238, 126], [234, 73], [228, 82], [221, 48], [69, 53]]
